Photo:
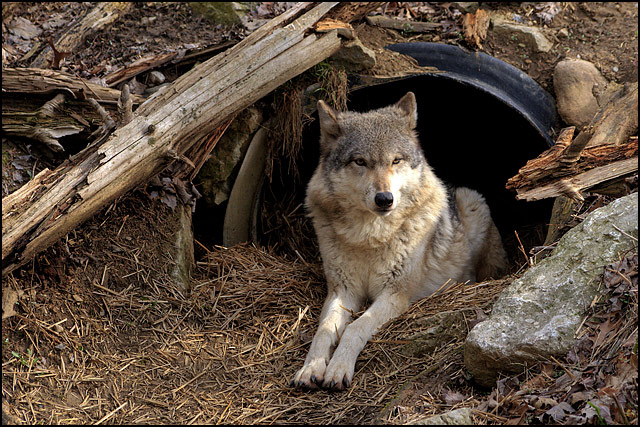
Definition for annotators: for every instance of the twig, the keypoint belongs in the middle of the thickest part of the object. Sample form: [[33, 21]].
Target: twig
[[110, 414]]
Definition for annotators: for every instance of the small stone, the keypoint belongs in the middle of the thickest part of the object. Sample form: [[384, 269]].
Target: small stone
[[156, 78], [531, 36], [563, 32], [615, 69]]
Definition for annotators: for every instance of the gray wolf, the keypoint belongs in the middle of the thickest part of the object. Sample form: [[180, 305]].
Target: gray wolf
[[389, 232]]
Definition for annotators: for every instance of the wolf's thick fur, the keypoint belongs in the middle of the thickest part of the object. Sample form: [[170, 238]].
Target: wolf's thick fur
[[390, 232]]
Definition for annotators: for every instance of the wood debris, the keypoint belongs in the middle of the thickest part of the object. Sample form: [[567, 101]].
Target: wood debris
[[603, 151], [475, 26]]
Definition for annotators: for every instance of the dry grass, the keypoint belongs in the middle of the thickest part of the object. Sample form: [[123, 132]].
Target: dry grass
[[124, 346]]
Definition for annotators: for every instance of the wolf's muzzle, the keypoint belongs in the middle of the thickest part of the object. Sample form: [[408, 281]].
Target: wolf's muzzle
[[384, 199]]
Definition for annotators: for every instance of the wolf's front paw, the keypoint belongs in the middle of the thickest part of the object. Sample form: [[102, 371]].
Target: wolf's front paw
[[310, 375], [338, 374]]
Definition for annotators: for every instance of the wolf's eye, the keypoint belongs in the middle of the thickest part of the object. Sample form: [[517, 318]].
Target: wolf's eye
[[397, 161], [360, 162]]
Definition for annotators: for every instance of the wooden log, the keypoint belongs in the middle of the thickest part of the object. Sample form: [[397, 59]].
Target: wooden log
[[162, 130], [612, 125], [102, 15]]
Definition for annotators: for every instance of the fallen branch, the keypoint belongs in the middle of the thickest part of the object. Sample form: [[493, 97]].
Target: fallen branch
[[164, 128]]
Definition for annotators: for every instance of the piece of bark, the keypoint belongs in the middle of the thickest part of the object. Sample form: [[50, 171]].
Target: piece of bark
[[39, 81], [344, 29], [125, 106], [102, 15], [137, 67], [475, 26], [402, 24], [165, 127]]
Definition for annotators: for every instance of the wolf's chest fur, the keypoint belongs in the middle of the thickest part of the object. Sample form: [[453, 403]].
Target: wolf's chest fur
[[377, 252]]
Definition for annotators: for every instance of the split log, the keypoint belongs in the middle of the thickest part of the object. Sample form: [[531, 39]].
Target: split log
[[162, 130], [603, 151], [47, 124], [57, 105], [39, 81], [100, 16]]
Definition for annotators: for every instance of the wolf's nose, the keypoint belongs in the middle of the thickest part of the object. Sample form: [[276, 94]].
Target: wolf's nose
[[384, 199]]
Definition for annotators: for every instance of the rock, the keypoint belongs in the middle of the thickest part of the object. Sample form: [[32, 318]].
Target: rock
[[224, 13], [531, 36], [436, 331], [227, 154], [575, 81], [564, 33], [461, 416], [156, 78], [354, 56], [537, 315]]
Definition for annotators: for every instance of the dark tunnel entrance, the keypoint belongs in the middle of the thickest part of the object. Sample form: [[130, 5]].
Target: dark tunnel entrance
[[470, 138]]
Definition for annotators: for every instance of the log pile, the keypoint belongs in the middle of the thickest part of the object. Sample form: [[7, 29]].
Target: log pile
[[180, 124], [606, 150]]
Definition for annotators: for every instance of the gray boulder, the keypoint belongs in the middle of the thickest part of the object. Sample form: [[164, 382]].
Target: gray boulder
[[538, 314]]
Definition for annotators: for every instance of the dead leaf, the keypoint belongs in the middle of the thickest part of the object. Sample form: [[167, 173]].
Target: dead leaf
[[603, 330], [58, 56], [9, 299], [558, 412], [580, 396], [452, 397]]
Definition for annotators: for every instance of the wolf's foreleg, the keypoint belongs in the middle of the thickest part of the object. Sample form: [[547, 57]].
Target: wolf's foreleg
[[387, 306], [336, 312]]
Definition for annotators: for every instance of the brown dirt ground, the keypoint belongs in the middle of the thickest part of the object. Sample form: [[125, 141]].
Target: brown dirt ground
[[102, 334]]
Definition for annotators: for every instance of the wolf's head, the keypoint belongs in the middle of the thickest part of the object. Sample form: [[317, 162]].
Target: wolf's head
[[371, 160]]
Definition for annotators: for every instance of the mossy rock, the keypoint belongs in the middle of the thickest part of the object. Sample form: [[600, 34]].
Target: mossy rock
[[224, 13]]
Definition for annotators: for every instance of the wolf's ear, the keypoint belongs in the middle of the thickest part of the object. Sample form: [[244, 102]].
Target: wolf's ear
[[329, 125], [408, 106]]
